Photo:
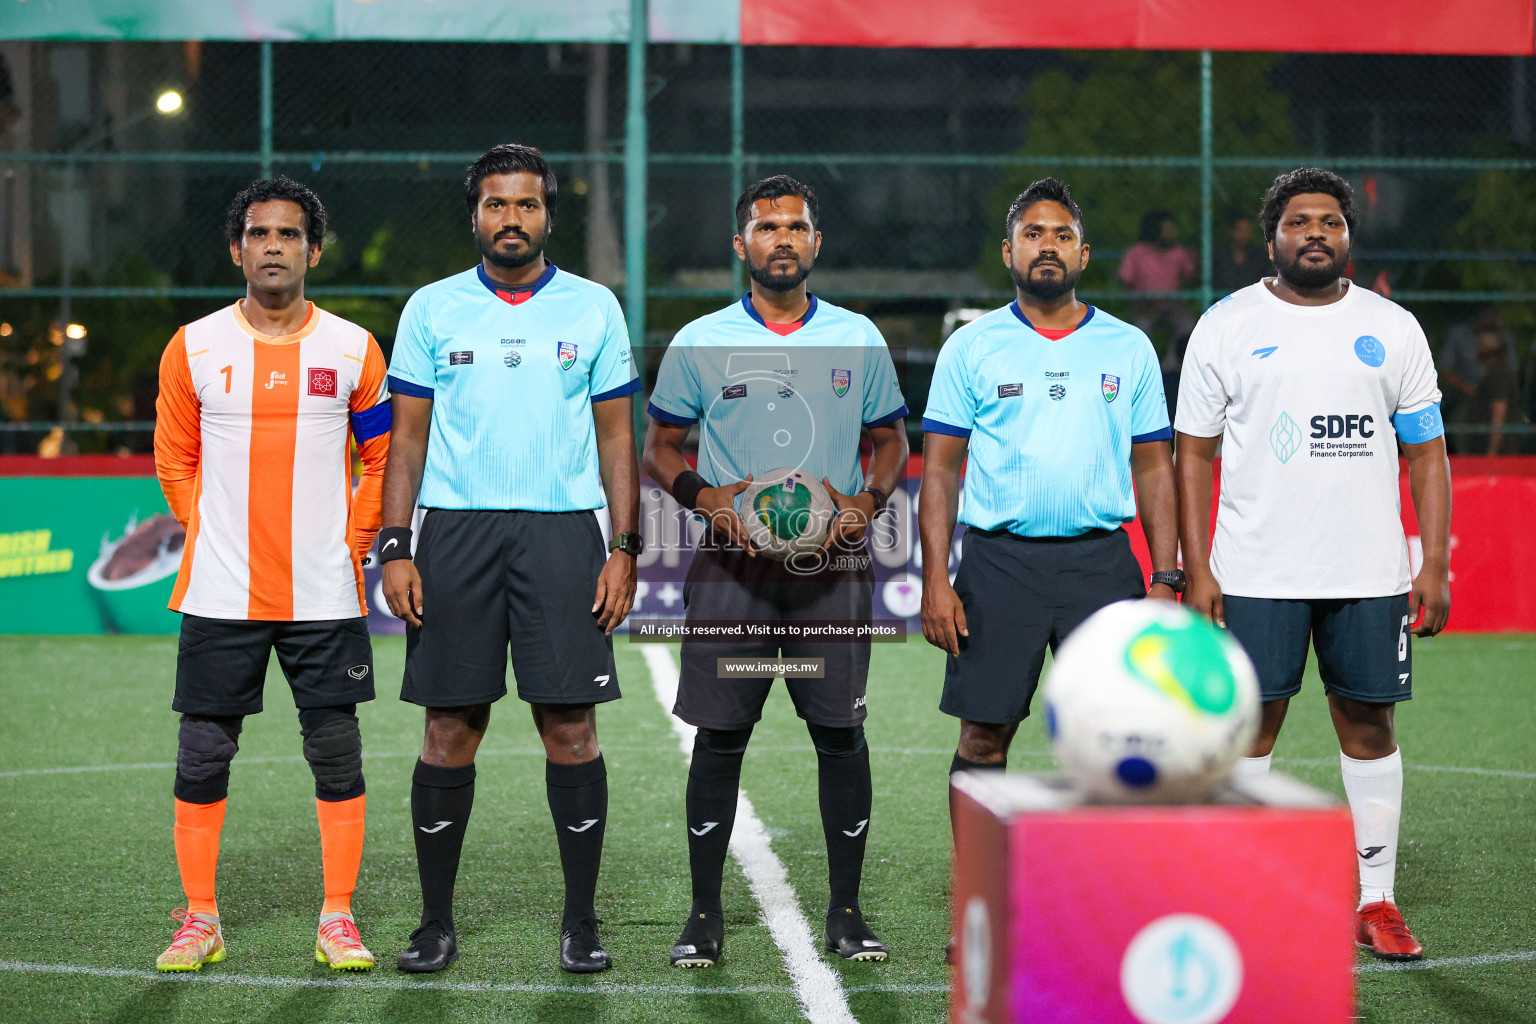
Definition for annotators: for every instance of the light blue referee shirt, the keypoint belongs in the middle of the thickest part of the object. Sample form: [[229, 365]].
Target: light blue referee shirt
[[512, 375], [765, 401], [1051, 423]]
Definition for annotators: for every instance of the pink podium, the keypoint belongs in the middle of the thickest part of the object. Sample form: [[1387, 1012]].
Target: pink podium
[[1235, 912]]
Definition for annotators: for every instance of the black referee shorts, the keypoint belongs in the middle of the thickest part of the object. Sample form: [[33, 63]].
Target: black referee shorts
[[1023, 595], [728, 586], [492, 579]]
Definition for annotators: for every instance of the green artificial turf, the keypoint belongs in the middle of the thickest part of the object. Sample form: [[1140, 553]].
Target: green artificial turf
[[87, 871]]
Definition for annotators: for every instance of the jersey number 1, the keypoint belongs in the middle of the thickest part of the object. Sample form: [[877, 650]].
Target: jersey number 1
[[229, 376]]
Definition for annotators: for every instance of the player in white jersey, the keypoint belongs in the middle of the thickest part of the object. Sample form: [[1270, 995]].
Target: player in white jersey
[[1311, 386]]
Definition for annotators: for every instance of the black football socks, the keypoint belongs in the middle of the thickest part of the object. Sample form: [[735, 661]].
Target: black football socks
[[713, 778], [440, 802], [845, 791], [578, 802]]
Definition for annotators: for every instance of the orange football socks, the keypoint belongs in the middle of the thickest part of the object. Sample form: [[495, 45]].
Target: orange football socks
[[341, 849], [197, 852]]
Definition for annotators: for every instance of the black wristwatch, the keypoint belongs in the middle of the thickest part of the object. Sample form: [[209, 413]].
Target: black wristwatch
[[628, 542], [1171, 578]]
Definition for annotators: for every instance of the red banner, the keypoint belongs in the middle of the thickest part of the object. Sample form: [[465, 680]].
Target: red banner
[[1495, 27]]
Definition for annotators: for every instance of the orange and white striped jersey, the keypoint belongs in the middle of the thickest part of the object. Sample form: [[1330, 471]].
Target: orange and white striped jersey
[[251, 447]]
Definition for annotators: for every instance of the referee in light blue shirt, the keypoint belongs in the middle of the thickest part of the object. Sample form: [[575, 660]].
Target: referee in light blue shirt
[[514, 421], [779, 380], [1059, 406]]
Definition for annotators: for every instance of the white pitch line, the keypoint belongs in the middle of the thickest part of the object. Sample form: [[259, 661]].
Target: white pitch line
[[817, 988], [1449, 961], [365, 982], [1502, 773]]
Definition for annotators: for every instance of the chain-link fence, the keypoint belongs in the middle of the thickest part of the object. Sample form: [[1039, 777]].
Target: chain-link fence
[[111, 211]]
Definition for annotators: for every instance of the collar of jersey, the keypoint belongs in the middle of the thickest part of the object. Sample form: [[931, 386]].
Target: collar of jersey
[[496, 288], [311, 321], [1014, 306], [746, 304]]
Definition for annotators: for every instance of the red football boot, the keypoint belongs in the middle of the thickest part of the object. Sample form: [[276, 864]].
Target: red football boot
[[1380, 928]]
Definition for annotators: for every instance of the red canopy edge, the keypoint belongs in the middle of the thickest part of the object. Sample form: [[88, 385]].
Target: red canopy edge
[[1473, 27]]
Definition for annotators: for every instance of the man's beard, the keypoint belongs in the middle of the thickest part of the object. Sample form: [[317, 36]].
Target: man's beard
[[510, 261], [1046, 289], [1306, 275], [765, 276]]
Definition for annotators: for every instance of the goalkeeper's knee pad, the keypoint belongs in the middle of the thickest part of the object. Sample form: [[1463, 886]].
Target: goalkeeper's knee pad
[[205, 746], [333, 746]]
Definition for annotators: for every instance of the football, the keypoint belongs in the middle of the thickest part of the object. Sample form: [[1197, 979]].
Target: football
[[787, 513], [1148, 703]]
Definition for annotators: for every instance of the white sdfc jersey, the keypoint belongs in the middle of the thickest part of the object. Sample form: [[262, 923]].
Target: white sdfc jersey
[[1310, 403]]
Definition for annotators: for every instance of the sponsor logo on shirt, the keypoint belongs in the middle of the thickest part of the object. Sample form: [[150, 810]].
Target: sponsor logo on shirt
[[841, 379], [786, 390], [511, 355], [322, 382], [734, 391], [1111, 385], [1370, 351], [1063, 374], [1010, 390], [567, 352], [1058, 392], [1333, 436], [460, 358], [1264, 353], [1284, 437], [276, 379], [1342, 426]]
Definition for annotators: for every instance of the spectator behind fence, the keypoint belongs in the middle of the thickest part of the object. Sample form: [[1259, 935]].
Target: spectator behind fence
[[1241, 261], [1158, 263], [1492, 397], [1462, 369]]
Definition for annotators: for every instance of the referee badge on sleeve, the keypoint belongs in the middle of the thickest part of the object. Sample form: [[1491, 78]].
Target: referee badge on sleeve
[[1111, 386]]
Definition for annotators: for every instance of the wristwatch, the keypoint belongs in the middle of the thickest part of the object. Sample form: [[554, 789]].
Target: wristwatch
[[629, 542], [1170, 577]]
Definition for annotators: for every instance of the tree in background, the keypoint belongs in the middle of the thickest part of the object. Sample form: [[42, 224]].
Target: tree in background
[[1145, 104]]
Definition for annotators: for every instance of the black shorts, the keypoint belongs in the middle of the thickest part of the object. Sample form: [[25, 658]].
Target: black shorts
[[1363, 647], [1023, 595], [490, 579], [221, 664], [725, 585]]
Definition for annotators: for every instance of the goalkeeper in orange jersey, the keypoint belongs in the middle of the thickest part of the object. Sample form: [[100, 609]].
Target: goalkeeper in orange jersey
[[258, 403]]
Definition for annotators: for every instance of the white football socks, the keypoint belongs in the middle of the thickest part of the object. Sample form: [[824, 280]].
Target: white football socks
[[1375, 791], [1252, 767]]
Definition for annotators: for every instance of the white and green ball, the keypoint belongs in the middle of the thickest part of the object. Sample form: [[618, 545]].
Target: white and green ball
[[787, 513], [1147, 703]]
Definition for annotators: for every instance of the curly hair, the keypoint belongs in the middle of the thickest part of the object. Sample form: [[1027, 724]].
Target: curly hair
[[264, 190], [1046, 190], [1302, 181]]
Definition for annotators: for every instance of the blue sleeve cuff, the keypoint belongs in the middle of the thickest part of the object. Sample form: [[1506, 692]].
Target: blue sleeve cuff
[[619, 392], [662, 416], [1418, 427], [401, 386], [1163, 434], [934, 426], [371, 423], [890, 417]]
